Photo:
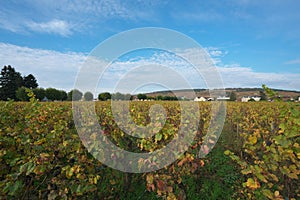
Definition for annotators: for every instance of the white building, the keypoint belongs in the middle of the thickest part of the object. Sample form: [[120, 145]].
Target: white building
[[223, 98], [256, 98], [246, 99], [200, 99]]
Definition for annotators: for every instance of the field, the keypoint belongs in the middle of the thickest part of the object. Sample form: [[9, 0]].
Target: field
[[256, 157]]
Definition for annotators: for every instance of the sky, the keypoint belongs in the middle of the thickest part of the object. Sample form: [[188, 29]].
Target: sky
[[250, 42]]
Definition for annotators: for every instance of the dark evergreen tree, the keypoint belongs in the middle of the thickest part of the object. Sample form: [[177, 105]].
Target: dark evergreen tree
[[30, 82], [10, 81]]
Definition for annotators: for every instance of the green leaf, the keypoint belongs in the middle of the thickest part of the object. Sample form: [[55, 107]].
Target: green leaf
[[282, 126], [12, 188], [27, 168], [267, 193], [158, 137], [227, 152]]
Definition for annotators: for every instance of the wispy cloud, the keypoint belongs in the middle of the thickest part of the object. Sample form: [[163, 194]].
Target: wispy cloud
[[54, 26], [65, 17]]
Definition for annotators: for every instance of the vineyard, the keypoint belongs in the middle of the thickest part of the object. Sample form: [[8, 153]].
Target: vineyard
[[256, 157]]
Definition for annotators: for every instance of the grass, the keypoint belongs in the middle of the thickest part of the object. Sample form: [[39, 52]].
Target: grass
[[221, 177]]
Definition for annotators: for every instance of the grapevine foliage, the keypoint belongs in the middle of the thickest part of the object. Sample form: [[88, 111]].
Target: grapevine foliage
[[43, 157], [270, 154]]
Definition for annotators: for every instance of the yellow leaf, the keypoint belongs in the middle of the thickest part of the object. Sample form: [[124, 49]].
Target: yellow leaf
[[252, 184], [274, 177], [95, 180], [65, 143], [252, 139], [171, 197], [246, 171], [39, 142], [149, 178], [179, 180], [70, 172], [227, 152]]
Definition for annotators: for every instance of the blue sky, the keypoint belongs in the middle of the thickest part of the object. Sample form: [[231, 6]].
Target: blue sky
[[251, 42]]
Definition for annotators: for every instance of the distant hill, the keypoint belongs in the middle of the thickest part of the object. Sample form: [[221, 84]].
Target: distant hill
[[240, 92]]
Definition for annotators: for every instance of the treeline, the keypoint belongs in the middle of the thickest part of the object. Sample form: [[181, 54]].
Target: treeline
[[158, 98], [11, 81], [14, 86]]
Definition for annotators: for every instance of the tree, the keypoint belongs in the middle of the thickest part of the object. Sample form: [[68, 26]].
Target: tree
[[104, 96], [117, 96], [30, 82], [39, 93], [128, 97], [142, 96], [88, 96], [21, 94], [159, 97], [232, 96], [10, 81], [74, 95], [169, 98], [63, 95], [263, 96], [53, 94]]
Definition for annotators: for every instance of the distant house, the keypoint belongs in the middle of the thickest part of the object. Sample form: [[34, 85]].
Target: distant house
[[223, 98], [256, 98], [200, 99], [45, 99], [246, 99]]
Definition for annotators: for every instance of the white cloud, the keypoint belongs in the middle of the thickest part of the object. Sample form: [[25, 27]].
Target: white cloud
[[54, 26], [216, 52], [59, 70], [64, 17], [51, 68], [238, 76]]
